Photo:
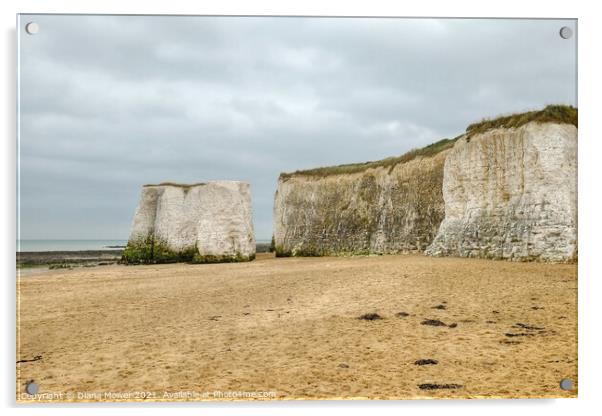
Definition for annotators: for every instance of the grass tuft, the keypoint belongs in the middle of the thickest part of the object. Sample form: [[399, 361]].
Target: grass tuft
[[390, 162], [178, 185], [151, 250], [561, 114], [208, 259]]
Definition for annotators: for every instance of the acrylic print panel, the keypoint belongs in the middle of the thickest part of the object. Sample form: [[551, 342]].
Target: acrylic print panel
[[276, 208]]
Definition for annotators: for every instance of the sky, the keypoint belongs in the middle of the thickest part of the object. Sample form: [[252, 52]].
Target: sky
[[109, 103]]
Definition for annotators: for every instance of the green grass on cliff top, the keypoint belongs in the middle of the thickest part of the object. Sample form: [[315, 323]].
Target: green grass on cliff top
[[390, 162], [561, 114], [179, 185]]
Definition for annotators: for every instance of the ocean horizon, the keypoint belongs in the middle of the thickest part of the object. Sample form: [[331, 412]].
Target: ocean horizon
[[28, 245], [69, 245]]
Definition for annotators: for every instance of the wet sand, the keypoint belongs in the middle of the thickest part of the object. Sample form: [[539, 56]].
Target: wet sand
[[66, 259], [290, 327], [31, 262]]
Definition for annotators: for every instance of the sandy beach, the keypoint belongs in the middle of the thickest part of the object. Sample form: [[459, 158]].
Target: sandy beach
[[288, 328]]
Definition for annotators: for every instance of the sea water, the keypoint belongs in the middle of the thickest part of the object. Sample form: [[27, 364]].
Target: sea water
[[78, 245], [69, 245]]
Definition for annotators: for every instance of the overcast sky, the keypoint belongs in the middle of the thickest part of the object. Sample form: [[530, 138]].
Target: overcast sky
[[110, 103]]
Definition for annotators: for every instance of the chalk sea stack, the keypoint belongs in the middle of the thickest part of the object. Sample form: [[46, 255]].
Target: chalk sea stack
[[201, 223]]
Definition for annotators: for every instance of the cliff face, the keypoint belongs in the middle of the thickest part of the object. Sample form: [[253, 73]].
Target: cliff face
[[208, 222], [380, 209], [511, 194]]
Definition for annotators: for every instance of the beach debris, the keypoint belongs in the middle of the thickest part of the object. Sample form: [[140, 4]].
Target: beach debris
[[527, 327], [36, 358], [440, 306], [214, 317], [343, 365], [520, 334], [370, 317], [60, 266], [436, 322], [511, 342], [496, 312], [536, 308], [426, 361], [402, 314], [434, 386], [433, 322]]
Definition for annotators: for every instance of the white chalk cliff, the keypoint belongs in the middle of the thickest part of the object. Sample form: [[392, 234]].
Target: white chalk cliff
[[510, 193], [393, 208], [206, 222]]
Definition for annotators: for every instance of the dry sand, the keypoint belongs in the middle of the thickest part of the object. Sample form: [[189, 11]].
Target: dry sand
[[290, 326]]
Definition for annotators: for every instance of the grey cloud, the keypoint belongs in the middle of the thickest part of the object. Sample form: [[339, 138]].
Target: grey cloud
[[109, 103]]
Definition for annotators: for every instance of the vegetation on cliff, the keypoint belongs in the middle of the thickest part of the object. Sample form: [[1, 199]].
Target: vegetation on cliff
[[177, 185], [561, 114], [390, 162], [151, 250]]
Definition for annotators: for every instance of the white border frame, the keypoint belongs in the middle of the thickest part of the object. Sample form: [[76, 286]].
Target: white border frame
[[590, 151]]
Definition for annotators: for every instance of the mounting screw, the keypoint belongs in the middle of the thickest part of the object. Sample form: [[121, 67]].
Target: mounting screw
[[32, 28], [566, 32], [31, 387], [566, 384]]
